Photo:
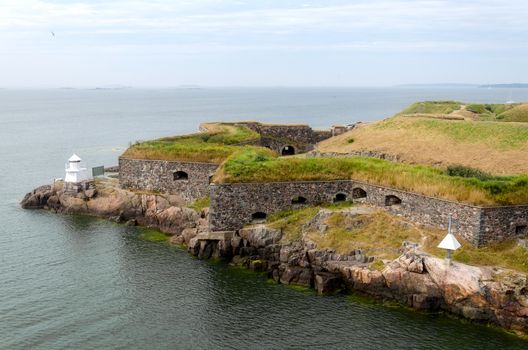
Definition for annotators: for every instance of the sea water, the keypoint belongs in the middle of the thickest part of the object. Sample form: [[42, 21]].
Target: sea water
[[70, 282]]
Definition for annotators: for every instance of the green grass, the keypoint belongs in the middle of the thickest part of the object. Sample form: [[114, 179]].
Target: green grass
[[433, 107], [381, 235], [377, 265], [200, 204], [517, 114], [290, 221], [337, 205], [489, 110], [210, 147], [255, 166], [506, 254]]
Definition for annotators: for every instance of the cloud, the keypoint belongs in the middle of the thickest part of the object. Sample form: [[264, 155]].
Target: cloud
[[184, 17], [211, 29]]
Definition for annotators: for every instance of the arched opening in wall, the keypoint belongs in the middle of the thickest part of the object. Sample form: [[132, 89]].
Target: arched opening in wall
[[392, 200], [211, 178], [180, 175], [288, 151], [358, 193], [521, 230], [298, 200], [258, 217], [340, 197]]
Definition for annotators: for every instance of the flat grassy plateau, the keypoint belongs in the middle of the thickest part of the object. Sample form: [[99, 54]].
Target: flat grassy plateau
[[213, 146]]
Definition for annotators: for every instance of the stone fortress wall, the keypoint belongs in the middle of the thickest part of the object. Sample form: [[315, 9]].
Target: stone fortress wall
[[191, 180], [236, 205], [297, 138], [187, 179]]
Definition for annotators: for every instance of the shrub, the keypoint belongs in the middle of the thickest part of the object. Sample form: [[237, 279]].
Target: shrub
[[477, 108], [465, 171]]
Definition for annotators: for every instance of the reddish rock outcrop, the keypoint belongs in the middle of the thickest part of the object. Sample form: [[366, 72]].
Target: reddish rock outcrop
[[105, 199]]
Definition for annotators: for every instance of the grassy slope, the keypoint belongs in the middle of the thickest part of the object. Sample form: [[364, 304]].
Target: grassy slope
[[498, 148], [381, 235], [440, 107], [252, 166], [212, 146], [515, 112]]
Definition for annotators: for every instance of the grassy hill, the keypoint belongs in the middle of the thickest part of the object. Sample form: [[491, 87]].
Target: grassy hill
[[453, 110], [517, 114], [432, 107], [495, 147]]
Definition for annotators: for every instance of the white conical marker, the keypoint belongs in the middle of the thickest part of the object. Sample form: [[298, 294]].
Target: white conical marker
[[449, 242]]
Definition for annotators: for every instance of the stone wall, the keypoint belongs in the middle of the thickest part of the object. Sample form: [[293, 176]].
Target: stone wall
[[167, 176], [501, 223], [301, 137], [235, 205]]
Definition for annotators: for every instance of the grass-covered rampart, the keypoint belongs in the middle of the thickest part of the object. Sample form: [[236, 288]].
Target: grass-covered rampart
[[430, 107], [495, 147], [257, 166], [213, 146]]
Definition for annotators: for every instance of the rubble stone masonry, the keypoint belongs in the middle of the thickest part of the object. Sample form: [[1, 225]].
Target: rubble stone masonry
[[235, 205], [186, 179]]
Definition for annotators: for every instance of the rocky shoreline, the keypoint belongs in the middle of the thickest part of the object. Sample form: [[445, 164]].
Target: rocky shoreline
[[415, 279]]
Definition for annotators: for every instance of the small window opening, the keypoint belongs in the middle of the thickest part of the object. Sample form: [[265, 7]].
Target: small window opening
[[392, 200], [298, 200], [258, 217], [358, 193], [181, 175], [340, 197], [521, 230]]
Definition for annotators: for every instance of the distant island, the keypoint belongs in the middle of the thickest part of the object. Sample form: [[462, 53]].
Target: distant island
[[506, 86], [467, 85]]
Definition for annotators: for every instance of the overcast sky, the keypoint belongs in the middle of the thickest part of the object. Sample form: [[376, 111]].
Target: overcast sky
[[262, 43]]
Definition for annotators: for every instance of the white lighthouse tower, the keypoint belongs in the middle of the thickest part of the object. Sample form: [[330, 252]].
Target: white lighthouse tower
[[75, 173]]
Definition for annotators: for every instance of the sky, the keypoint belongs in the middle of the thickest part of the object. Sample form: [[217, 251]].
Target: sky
[[310, 43]]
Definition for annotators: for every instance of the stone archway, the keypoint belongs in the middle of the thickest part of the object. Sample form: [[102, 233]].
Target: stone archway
[[288, 150], [340, 197], [392, 200], [358, 193], [258, 217], [180, 175]]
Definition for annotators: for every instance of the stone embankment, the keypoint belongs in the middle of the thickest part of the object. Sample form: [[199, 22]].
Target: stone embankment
[[415, 279]]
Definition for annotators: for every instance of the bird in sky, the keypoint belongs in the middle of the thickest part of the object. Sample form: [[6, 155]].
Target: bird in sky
[[52, 33]]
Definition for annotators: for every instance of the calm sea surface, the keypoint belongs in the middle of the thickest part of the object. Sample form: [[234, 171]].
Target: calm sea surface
[[82, 283]]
